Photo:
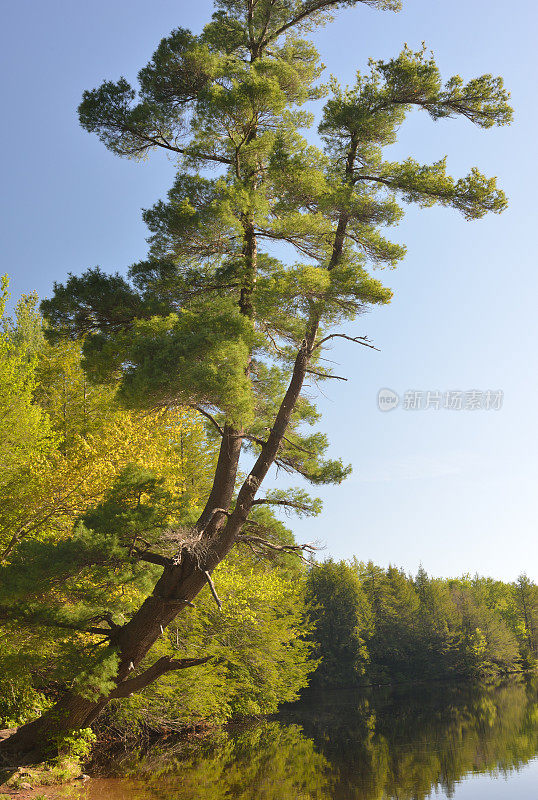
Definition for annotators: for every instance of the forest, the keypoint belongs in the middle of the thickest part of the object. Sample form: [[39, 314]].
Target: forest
[[279, 623], [147, 581]]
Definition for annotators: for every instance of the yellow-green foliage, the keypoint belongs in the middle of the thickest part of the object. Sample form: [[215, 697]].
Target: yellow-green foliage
[[258, 643], [66, 445]]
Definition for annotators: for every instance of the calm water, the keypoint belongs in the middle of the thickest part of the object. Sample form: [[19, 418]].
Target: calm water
[[432, 742]]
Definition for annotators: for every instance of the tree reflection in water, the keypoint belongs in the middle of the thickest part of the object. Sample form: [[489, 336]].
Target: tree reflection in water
[[386, 744]]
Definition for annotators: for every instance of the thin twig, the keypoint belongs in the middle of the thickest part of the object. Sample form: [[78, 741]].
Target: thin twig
[[213, 590], [357, 339], [295, 549], [208, 416], [326, 375], [267, 501]]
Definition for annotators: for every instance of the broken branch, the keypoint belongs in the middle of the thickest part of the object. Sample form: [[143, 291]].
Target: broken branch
[[357, 339], [216, 598]]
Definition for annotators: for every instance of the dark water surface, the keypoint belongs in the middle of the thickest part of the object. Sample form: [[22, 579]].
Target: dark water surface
[[437, 741]]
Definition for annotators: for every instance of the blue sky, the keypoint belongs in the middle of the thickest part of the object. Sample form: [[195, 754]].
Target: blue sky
[[455, 490]]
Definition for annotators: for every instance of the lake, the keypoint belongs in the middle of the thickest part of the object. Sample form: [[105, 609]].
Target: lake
[[430, 741]]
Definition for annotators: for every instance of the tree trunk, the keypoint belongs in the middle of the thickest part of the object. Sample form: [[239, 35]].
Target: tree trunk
[[179, 584], [174, 590]]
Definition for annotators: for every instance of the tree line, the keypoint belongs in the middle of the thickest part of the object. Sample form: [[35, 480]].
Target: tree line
[[376, 625]]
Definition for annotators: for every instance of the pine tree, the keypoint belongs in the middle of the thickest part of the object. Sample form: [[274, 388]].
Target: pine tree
[[525, 594], [342, 621], [213, 320]]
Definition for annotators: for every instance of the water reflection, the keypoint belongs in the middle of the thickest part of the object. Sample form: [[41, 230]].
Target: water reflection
[[406, 744], [400, 745]]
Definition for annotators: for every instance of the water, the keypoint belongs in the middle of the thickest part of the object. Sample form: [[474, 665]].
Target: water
[[436, 741]]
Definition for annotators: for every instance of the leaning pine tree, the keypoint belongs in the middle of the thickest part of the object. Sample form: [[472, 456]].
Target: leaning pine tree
[[214, 320]]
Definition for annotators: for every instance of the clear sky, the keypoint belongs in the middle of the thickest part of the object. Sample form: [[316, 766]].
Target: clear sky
[[455, 490]]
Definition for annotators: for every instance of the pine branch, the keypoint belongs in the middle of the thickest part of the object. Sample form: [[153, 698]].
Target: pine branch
[[160, 141], [8, 614]]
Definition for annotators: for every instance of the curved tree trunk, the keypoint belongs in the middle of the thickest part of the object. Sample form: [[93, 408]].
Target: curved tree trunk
[[176, 588], [173, 592], [179, 584]]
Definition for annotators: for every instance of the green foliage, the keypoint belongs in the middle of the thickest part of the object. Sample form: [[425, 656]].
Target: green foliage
[[400, 628], [19, 701], [76, 745], [59, 589], [341, 619], [212, 318], [98, 681], [372, 111], [26, 432], [37, 566], [196, 357], [76, 503], [260, 655], [27, 435]]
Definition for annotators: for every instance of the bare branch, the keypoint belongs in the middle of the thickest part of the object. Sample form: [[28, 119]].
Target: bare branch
[[254, 439], [208, 416], [262, 442], [161, 667], [295, 549], [213, 590], [309, 8], [286, 503], [105, 617], [326, 375], [375, 179], [357, 339]]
